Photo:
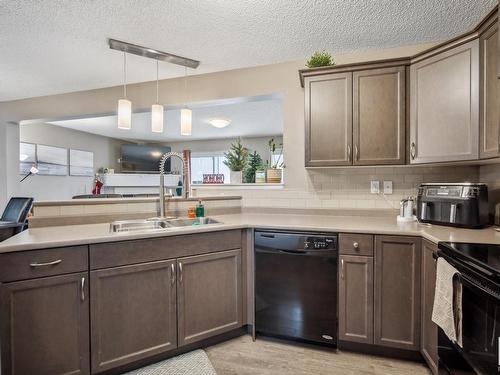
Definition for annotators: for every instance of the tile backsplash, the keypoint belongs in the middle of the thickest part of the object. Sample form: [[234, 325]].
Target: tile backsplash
[[347, 187]]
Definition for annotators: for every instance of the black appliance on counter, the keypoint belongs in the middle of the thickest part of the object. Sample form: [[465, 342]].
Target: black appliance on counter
[[296, 286], [459, 205], [479, 267]]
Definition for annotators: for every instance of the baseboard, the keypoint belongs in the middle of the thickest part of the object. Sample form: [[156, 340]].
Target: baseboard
[[160, 357], [383, 351]]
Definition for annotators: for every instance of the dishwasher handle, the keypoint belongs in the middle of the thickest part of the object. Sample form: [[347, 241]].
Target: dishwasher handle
[[294, 251], [320, 253]]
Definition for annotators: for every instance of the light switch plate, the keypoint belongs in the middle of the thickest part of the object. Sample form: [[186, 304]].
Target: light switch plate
[[374, 187], [387, 187]]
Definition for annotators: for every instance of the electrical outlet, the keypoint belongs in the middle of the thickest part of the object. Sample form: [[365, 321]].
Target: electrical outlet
[[374, 187], [387, 187]]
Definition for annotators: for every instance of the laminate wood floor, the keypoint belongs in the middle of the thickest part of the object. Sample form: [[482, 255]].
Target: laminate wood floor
[[242, 356]]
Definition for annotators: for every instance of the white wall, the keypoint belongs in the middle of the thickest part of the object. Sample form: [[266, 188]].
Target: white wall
[[106, 152]]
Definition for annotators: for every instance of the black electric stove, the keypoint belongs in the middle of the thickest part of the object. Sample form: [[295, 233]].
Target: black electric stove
[[479, 267]]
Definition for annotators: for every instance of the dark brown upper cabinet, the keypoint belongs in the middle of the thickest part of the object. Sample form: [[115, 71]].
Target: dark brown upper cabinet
[[489, 96], [209, 295], [133, 313], [429, 337], [397, 292], [444, 105], [45, 326], [379, 116], [498, 49], [328, 120], [355, 115]]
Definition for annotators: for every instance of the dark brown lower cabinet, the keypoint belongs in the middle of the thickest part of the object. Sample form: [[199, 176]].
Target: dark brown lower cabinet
[[397, 292], [429, 329], [356, 299], [45, 326], [209, 295], [133, 313]]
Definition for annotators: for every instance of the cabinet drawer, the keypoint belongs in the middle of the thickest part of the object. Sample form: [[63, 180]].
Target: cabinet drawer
[[40, 263], [105, 255], [356, 244]]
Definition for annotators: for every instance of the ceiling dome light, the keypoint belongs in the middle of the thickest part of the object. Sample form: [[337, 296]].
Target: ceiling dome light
[[219, 122]]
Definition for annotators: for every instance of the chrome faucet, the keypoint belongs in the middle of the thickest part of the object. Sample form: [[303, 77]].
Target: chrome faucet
[[185, 182]]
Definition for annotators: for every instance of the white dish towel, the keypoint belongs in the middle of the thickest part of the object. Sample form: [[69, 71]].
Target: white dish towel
[[445, 313]]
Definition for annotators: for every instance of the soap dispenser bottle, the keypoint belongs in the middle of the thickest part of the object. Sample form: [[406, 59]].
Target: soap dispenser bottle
[[200, 209]]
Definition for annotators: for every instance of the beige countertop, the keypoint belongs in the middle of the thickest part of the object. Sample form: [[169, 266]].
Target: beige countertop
[[57, 236]]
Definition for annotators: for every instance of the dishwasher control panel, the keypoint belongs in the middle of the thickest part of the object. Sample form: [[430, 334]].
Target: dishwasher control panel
[[320, 243], [295, 241]]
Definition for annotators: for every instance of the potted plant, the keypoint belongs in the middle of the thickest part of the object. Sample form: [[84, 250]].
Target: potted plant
[[319, 59], [254, 162], [236, 161], [274, 170]]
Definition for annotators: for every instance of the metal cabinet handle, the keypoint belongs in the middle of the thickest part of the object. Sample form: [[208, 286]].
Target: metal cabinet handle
[[413, 150], [348, 152], [356, 153], [172, 275], [180, 272], [342, 269], [82, 289], [53, 263], [355, 245]]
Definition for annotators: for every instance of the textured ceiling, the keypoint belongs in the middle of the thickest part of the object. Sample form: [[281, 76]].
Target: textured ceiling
[[56, 46]]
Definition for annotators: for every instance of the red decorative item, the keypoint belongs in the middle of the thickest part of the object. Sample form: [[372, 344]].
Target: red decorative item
[[213, 178], [97, 187]]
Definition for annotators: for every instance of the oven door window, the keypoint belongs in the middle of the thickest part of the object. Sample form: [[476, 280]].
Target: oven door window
[[481, 329]]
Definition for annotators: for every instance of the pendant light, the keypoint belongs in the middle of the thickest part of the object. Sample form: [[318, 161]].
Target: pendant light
[[157, 111], [124, 105], [186, 113]]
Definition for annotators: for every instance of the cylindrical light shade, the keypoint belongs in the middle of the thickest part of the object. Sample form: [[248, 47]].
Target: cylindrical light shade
[[157, 118], [186, 121], [124, 114]]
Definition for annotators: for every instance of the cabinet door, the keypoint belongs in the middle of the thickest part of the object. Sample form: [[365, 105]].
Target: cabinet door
[[45, 326], [444, 109], [490, 114], [328, 112], [429, 329], [379, 117], [397, 291], [133, 313], [209, 295], [356, 299]]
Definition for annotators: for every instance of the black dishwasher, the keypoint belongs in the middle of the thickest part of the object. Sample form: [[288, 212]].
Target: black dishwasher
[[296, 286]]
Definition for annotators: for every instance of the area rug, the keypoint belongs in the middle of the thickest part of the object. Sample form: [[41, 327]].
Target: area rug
[[192, 363]]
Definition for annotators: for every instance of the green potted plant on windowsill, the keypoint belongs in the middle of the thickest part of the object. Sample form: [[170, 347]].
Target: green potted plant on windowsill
[[254, 163], [274, 171], [236, 161]]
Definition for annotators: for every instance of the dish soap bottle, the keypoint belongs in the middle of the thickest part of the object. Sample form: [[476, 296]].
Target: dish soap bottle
[[200, 209]]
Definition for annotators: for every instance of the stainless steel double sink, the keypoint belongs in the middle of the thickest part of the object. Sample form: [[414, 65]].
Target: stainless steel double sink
[[158, 224]]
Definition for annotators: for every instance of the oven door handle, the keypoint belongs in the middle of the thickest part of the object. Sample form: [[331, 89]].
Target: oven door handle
[[466, 263], [465, 280]]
